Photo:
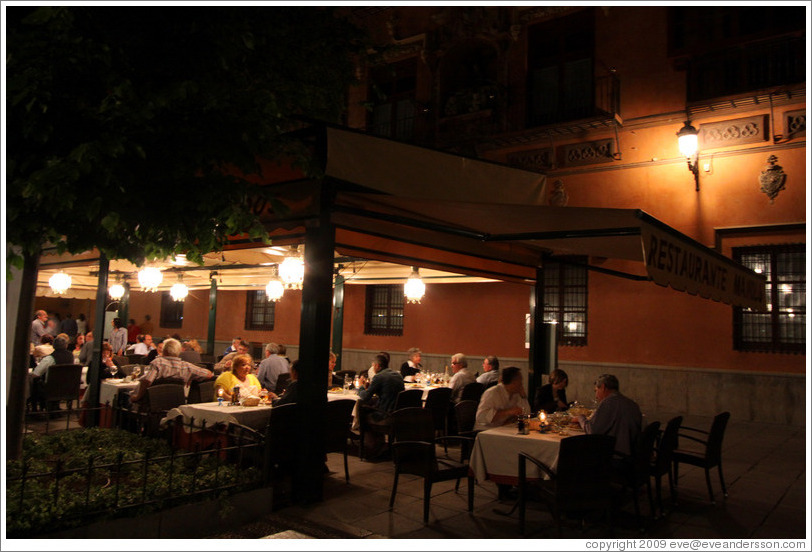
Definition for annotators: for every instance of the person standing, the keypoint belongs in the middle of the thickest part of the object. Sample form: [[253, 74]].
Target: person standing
[[133, 330], [87, 349], [68, 326], [461, 377], [81, 324], [490, 376], [118, 339], [38, 327], [617, 415]]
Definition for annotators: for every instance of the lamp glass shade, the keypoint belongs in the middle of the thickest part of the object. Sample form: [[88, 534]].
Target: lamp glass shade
[[275, 289], [179, 291], [150, 278], [116, 291], [60, 282], [688, 140], [292, 272], [414, 289]]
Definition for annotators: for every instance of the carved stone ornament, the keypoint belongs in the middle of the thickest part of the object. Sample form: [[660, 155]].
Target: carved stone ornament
[[772, 178], [558, 197]]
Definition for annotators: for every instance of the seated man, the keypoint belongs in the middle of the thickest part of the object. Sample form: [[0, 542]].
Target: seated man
[[502, 403], [169, 365], [616, 415], [59, 355], [461, 377], [490, 375], [271, 366], [386, 386], [291, 394]]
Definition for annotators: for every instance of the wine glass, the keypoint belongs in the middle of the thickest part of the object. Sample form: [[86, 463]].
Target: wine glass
[[113, 370]]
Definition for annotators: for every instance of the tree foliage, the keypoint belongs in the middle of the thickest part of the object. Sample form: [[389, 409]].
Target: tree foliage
[[136, 130]]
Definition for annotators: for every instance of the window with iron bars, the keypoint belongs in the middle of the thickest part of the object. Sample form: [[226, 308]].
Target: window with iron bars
[[392, 94], [565, 300], [171, 311], [781, 328], [383, 314], [260, 313]]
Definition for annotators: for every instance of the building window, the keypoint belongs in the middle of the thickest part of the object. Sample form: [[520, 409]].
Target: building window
[[468, 79], [259, 312], [384, 310], [171, 311], [392, 96], [565, 300], [781, 328], [560, 69]]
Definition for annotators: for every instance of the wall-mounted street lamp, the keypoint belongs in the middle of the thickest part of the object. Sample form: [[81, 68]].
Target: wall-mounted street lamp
[[689, 147]]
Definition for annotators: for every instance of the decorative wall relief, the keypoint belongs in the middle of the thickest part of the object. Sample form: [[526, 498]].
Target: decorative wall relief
[[588, 153], [733, 132], [795, 123], [772, 178], [535, 160], [558, 197]]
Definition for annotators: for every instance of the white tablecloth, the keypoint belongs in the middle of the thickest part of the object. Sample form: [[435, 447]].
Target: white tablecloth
[[496, 452], [212, 413], [110, 388]]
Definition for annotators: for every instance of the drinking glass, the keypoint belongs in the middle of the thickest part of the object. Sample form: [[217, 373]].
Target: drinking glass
[[113, 370]]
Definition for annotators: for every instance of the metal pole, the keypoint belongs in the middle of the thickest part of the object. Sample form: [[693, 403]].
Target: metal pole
[[536, 353], [212, 315], [94, 371], [338, 319]]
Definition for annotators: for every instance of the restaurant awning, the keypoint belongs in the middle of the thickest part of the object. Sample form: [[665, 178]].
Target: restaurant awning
[[440, 210]]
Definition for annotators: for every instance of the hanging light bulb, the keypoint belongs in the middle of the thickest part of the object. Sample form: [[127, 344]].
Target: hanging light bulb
[[414, 289], [60, 282], [275, 289], [179, 291], [116, 291], [150, 278], [292, 271]]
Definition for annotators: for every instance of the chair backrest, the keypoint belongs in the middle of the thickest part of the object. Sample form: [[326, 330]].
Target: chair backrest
[[668, 442], [584, 472], [472, 391], [438, 401], [412, 424], [342, 373], [337, 424], [282, 382], [713, 452], [62, 382], [165, 397], [201, 391], [643, 451], [466, 415], [120, 360], [127, 369], [135, 359], [281, 432], [209, 359], [409, 398]]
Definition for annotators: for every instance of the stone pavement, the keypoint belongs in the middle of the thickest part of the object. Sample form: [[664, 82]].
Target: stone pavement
[[765, 465]]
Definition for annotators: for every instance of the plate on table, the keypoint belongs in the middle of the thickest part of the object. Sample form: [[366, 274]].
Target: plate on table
[[114, 380]]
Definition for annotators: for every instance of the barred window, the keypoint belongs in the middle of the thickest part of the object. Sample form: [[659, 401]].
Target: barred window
[[565, 300], [171, 311], [259, 312], [384, 310], [781, 328], [392, 92]]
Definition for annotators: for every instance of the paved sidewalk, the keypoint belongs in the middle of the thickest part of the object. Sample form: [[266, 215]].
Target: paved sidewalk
[[765, 469]]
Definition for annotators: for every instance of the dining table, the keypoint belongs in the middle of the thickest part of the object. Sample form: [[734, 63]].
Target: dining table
[[495, 456]]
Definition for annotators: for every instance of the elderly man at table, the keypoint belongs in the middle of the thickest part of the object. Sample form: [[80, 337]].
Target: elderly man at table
[[271, 366], [169, 366], [616, 415], [491, 371], [502, 403], [461, 377], [87, 349]]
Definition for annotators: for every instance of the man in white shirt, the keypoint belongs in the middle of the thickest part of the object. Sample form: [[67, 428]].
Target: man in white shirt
[[502, 403], [144, 345]]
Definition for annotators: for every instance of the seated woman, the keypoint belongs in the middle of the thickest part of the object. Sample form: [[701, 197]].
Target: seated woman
[[553, 396], [77, 347], [107, 361], [239, 376]]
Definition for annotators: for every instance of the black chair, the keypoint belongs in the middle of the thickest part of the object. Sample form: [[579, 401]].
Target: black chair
[[280, 449], [160, 399], [662, 463], [62, 383], [465, 411], [208, 359], [580, 484], [282, 382], [438, 402], [632, 472], [414, 451], [342, 373], [710, 456], [338, 422], [201, 391], [134, 359], [120, 360], [472, 391], [409, 398]]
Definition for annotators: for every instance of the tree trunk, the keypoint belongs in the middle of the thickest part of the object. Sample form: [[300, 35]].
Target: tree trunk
[[15, 407]]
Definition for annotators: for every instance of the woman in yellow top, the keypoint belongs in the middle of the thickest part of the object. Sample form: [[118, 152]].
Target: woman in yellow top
[[239, 376]]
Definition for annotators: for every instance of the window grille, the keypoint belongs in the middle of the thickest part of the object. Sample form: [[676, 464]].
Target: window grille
[[260, 313], [384, 310]]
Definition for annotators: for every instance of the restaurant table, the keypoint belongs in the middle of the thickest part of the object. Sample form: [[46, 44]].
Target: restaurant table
[[108, 391], [496, 452]]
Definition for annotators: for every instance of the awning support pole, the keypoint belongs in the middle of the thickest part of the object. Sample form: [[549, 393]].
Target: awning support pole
[[338, 319], [212, 315], [94, 371]]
